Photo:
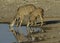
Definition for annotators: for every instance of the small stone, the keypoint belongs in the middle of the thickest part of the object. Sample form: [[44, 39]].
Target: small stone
[[59, 41], [53, 37], [40, 38], [59, 32], [33, 38]]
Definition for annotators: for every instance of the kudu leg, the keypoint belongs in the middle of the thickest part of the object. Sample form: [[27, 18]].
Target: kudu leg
[[28, 27], [41, 20], [11, 25], [41, 23]]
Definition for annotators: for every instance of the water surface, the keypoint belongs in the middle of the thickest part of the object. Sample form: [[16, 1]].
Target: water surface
[[6, 36]]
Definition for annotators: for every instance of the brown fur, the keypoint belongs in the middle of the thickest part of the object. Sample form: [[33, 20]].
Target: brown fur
[[35, 14], [25, 10]]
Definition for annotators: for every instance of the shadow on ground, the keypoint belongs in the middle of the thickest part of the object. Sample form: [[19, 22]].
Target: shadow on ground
[[51, 22], [48, 23]]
